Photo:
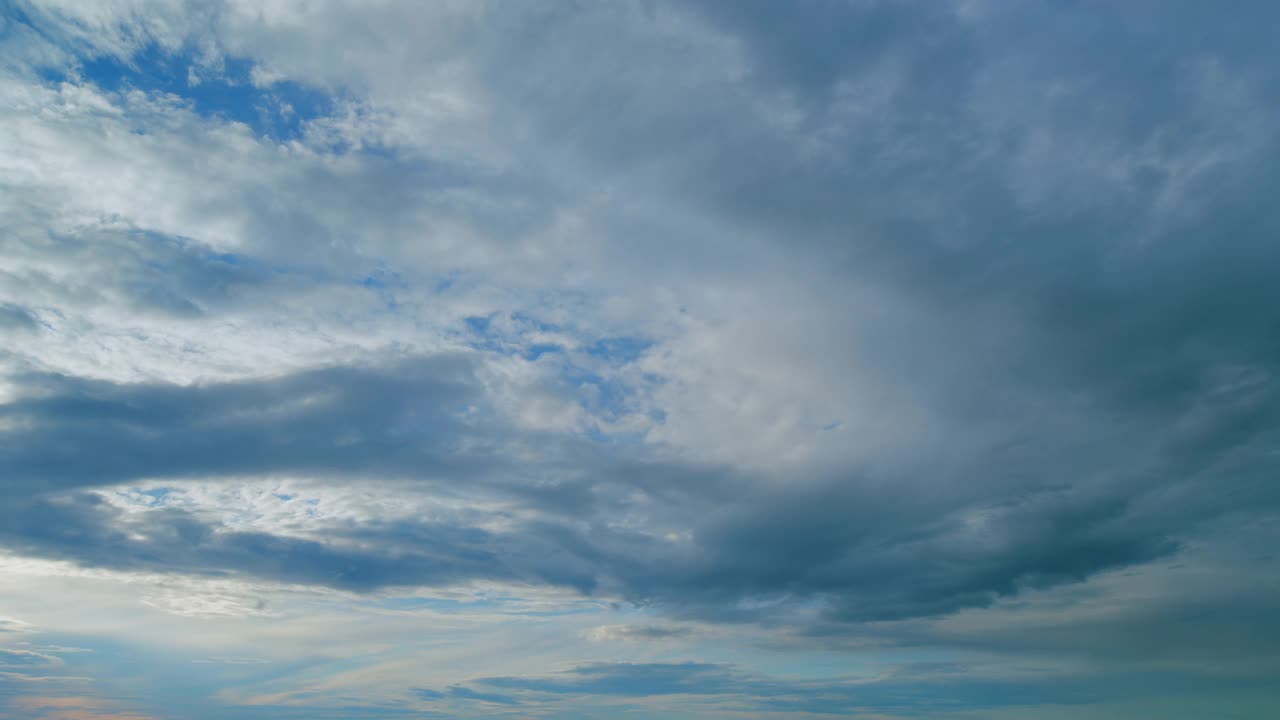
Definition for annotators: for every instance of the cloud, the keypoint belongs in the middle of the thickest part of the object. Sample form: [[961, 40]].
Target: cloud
[[911, 690], [637, 633], [11, 658], [71, 708], [867, 550], [13, 626], [465, 693], [310, 420], [85, 529], [639, 679], [15, 318], [943, 327]]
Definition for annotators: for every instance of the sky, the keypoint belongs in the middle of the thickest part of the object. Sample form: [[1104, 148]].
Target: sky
[[639, 360]]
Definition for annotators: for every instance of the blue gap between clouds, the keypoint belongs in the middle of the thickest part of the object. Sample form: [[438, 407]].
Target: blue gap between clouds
[[277, 111], [610, 399]]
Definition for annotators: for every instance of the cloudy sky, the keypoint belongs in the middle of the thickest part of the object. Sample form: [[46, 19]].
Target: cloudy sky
[[639, 360]]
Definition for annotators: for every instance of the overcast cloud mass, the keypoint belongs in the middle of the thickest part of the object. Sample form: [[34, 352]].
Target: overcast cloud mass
[[639, 360]]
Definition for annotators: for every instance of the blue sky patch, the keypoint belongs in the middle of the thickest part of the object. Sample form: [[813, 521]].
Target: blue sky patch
[[278, 111], [478, 324], [619, 350]]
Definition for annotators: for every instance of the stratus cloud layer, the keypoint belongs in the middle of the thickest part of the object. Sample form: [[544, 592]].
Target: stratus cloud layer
[[650, 360]]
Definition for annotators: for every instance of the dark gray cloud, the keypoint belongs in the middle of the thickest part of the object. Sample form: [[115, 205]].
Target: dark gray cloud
[[1077, 208], [85, 529], [870, 548], [71, 432]]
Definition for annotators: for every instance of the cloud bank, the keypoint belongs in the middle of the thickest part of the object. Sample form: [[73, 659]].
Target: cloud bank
[[847, 358]]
